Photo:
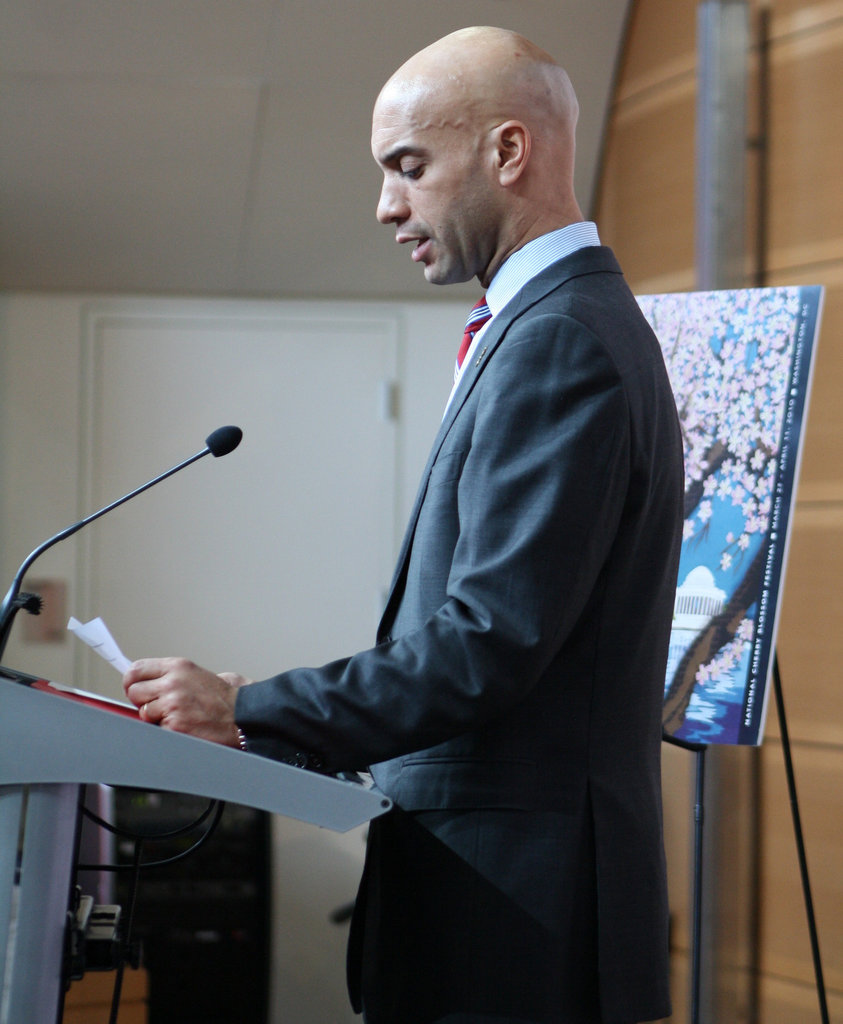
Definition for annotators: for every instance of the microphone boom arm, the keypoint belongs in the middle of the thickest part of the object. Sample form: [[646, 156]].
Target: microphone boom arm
[[220, 442]]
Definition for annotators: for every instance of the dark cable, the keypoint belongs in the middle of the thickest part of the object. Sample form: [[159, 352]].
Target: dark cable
[[125, 945], [215, 807], [125, 833], [206, 835]]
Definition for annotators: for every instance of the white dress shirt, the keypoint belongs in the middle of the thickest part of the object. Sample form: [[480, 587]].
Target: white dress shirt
[[522, 266]]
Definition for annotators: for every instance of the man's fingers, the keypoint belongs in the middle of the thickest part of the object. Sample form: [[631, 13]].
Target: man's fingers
[[145, 668], [139, 693], [147, 711]]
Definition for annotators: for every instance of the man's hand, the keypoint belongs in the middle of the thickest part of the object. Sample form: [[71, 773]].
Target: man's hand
[[178, 695]]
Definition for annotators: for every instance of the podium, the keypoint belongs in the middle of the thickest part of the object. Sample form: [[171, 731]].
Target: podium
[[49, 748]]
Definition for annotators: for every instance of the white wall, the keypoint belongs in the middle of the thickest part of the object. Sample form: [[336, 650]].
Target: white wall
[[78, 375]]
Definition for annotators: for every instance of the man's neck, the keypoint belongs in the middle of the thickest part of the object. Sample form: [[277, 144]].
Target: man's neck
[[529, 232], [535, 256]]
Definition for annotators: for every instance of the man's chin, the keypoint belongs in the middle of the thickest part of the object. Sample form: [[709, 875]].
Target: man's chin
[[436, 274], [432, 277]]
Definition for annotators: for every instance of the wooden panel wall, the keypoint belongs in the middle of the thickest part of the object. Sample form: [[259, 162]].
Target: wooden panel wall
[[645, 210]]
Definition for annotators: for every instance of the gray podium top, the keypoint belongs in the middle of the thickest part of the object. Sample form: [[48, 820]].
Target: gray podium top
[[47, 739]]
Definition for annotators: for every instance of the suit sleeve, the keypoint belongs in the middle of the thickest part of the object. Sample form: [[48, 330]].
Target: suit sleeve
[[519, 526]]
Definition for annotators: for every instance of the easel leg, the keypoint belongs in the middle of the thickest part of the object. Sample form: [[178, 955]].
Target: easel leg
[[696, 943], [800, 842]]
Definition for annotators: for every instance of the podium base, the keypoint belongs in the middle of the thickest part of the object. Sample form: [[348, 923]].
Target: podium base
[[37, 843]]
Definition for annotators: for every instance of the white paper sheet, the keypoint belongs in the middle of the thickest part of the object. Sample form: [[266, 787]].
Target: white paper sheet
[[98, 637]]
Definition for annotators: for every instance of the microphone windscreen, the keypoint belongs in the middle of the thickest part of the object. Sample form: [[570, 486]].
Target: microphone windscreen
[[223, 440]]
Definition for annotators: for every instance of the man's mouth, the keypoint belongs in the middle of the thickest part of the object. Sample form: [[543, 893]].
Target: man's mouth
[[421, 251]]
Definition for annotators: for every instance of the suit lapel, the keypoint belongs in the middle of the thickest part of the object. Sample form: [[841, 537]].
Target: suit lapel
[[584, 261], [490, 341]]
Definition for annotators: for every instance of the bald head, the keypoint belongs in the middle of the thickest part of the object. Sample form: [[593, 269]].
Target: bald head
[[501, 108], [483, 75], [493, 70]]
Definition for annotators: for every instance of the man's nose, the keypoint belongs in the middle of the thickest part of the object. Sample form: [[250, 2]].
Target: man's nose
[[392, 207]]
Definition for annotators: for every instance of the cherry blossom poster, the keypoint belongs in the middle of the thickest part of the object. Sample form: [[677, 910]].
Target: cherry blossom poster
[[740, 365]]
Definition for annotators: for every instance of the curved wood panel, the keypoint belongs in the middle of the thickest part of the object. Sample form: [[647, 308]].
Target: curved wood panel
[[648, 191], [645, 209], [806, 132]]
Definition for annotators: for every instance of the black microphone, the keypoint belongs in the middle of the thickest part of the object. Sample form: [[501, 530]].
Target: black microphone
[[222, 441]]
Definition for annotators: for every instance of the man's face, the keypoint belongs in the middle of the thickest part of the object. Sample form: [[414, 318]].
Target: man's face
[[437, 189]]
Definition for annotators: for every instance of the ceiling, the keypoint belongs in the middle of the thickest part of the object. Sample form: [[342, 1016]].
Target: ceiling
[[221, 147]]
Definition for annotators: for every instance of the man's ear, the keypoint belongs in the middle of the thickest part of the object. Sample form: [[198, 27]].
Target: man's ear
[[513, 143]]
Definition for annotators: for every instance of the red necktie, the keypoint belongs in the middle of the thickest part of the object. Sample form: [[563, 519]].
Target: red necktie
[[476, 318]]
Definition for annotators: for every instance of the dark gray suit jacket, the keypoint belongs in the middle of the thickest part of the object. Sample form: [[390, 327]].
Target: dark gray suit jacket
[[512, 705]]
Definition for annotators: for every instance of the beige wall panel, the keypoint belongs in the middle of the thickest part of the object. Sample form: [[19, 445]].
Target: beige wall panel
[[680, 988], [795, 17], [806, 142], [785, 944], [810, 641], [647, 208], [783, 1002], [823, 454], [677, 789], [660, 43], [821, 475]]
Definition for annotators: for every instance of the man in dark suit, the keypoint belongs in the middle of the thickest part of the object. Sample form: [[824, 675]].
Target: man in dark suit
[[512, 704]]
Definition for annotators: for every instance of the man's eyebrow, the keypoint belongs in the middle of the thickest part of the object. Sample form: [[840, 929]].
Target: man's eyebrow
[[395, 155]]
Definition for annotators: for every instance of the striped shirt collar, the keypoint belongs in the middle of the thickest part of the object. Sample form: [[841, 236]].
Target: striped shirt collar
[[536, 256], [522, 266]]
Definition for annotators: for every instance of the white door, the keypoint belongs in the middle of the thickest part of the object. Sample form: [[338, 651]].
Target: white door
[[273, 556]]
